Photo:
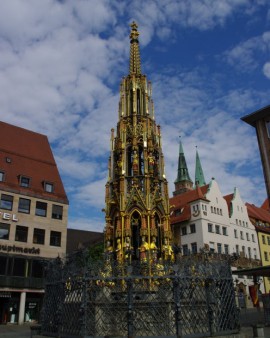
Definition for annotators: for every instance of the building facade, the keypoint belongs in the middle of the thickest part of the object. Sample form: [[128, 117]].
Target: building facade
[[203, 219], [33, 220], [260, 218]]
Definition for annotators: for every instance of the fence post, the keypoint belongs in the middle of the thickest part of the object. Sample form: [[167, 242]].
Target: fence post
[[178, 317], [130, 308], [209, 309]]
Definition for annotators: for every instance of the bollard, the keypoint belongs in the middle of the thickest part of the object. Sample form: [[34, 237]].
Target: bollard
[[258, 331]]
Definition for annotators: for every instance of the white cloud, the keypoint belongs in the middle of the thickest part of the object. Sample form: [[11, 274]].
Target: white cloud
[[266, 69]]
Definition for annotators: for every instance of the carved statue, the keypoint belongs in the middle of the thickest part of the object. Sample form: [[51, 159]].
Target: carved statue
[[135, 163], [118, 250], [153, 249], [167, 251], [127, 249], [144, 248], [108, 251], [151, 163]]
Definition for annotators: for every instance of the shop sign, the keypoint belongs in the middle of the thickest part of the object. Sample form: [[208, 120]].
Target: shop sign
[[9, 217], [5, 294], [18, 249]]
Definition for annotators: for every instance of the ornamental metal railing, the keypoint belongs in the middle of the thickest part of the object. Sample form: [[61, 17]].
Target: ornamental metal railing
[[190, 298]]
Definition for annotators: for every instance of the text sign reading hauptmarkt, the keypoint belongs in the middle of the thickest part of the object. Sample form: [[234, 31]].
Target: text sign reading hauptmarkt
[[18, 249]]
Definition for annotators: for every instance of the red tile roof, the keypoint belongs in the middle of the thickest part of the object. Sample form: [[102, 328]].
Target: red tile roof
[[228, 199], [30, 156], [265, 205], [181, 202], [259, 214]]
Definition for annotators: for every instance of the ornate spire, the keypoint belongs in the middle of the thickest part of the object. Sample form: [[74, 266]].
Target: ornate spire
[[183, 181], [135, 60], [199, 176]]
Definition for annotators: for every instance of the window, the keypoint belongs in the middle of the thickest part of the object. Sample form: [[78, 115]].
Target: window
[[252, 237], [24, 205], [41, 209], [57, 211], [237, 249], [263, 239], [255, 253], [19, 267], [266, 256], [184, 231], [24, 181], [241, 235], [212, 246], [195, 207], [192, 228], [21, 233], [240, 222], [217, 229], [247, 235], [210, 227], [219, 248], [212, 209], [3, 265], [6, 202], [236, 221], [194, 248], [243, 249], [39, 236], [224, 231], [48, 187], [249, 252], [55, 239], [221, 212], [4, 231], [185, 249], [37, 269], [2, 176], [226, 249], [235, 234], [268, 240]]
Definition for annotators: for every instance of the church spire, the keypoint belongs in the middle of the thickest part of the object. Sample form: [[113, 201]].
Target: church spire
[[183, 181], [199, 176], [135, 60]]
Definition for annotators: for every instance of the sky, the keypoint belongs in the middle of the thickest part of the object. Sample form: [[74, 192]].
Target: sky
[[61, 63]]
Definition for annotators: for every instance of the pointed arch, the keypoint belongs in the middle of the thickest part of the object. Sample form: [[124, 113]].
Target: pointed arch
[[135, 224]]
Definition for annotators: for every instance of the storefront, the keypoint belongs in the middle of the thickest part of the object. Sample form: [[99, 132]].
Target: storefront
[[10, 307]]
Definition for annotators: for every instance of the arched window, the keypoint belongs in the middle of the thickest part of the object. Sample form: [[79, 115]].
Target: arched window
[[131, 101], [138, 101], [136, 223]]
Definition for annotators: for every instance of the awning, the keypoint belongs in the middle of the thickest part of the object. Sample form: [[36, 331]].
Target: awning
[[261, 271]]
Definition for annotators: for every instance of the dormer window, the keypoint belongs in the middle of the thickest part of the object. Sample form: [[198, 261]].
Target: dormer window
[[24, 181], [48, 187]]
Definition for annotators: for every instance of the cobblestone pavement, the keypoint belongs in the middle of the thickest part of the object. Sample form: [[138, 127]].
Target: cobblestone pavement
[[248, 318]]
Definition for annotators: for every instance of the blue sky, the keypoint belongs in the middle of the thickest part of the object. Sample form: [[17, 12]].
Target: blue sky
[[209, 62]]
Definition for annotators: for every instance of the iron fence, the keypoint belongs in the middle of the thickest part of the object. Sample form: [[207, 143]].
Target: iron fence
[[190, 298]]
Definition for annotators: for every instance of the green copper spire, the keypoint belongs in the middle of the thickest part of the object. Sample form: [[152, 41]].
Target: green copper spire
[[199, 176], [183, 181]]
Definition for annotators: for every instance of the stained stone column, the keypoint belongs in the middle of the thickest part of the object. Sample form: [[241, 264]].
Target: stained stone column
[[22, 308]]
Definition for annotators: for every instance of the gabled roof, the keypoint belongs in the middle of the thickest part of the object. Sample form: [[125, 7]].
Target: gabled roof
[[259, 214], [29, 154], [182, 202], [265, 205]]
